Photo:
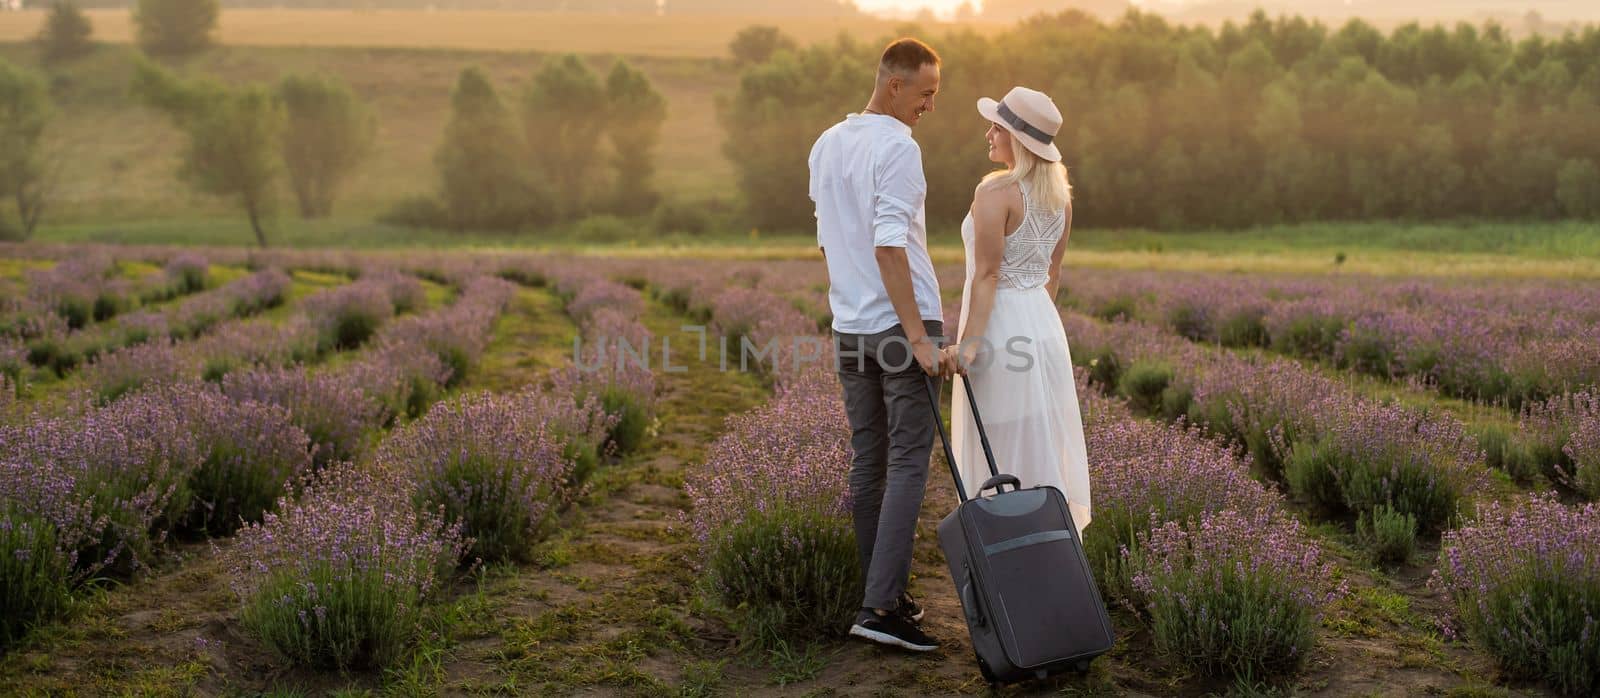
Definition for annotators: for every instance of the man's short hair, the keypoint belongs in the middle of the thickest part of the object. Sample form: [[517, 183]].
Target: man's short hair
[[905, 57]]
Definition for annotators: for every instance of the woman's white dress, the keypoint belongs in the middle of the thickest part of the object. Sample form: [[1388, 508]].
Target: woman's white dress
[[1023, 379]]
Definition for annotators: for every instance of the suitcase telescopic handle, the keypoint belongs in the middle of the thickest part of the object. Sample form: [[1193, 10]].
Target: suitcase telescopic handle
[[944, 438]]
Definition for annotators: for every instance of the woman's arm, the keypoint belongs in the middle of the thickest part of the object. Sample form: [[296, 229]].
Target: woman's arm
[[1060, 253], [990, 217]]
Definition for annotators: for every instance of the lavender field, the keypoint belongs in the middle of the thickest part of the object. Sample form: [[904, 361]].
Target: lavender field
[[231, 472]]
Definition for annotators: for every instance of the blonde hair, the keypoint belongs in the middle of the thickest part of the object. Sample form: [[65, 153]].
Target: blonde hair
[[1046, 181]]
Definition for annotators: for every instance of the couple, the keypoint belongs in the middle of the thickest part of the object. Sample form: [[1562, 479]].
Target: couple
[[868, 187]]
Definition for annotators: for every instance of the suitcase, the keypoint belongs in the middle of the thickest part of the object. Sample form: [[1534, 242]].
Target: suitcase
[[1030, 601]]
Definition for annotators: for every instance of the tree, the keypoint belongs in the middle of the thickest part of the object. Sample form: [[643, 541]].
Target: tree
[[780, 108], [1578, 189], [65, 35], [756, 44], [481, 181], [564, 115], [24, 113], [637, 113], [329, 133], [235, 137], [175, 27]]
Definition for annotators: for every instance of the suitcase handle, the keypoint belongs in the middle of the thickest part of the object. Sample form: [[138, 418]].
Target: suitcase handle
[[969, 600], [995, 482], [983, 437]]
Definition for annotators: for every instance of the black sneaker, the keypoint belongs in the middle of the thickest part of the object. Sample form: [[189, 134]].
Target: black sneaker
[[894, 629], [909, 607]]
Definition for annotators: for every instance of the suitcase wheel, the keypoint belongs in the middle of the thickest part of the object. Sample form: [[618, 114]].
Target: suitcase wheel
[[1082, 666]]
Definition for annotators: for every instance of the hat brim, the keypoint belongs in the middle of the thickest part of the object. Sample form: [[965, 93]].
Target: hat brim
[[990, 110]]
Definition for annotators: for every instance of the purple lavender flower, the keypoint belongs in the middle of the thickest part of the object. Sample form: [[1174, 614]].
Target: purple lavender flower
[[1231, 593], [354, 546], [336, 412], [127, 370], [498, 464], [1525, 582]]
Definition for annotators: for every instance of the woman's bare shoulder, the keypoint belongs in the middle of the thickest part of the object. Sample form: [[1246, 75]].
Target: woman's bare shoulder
[[990, 196]]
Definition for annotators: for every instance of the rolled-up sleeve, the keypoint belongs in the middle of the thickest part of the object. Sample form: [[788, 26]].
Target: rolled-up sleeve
[[898, 194]]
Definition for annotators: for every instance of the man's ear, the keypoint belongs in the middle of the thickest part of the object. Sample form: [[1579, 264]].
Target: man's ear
[[895, 83]]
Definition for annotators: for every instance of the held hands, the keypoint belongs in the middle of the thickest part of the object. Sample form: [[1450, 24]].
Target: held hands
[[933, 360], [960, 357]]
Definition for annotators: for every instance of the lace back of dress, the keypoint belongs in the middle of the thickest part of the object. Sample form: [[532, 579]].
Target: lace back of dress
[[1028, 250]]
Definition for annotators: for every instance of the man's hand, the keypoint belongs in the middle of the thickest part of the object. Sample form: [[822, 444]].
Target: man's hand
[[929, 357]]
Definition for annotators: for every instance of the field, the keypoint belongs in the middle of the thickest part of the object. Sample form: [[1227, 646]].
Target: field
[[618, 582], [1331, 459]]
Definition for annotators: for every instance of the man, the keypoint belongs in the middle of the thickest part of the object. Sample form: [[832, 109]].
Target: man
[[868, 186]]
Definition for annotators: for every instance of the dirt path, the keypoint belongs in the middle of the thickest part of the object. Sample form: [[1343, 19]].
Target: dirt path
[[611, 605]]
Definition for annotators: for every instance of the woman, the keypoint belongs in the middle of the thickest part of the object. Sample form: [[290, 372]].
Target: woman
[[1012, 345]]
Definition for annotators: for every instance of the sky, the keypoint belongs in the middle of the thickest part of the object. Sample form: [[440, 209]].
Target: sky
[[939, 6]]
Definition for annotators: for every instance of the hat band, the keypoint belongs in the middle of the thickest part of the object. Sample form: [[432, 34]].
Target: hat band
[[1019, 124]]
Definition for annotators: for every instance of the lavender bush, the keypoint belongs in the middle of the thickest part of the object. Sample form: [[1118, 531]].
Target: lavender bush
[[1584, 451], [127, 370], [1545, 431], [255, 344], [249, 453], [1525, 582], [34, 572], [1365, 456], [338, 578], [1145, 474], [771, 516], [258, 292], [111, 480], [347, 315], [493, 463], [402, 379], [334, 411], [188, 272], [1232, 593]]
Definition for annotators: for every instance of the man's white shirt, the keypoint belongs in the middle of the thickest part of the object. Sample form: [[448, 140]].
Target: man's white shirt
[[869, 190]]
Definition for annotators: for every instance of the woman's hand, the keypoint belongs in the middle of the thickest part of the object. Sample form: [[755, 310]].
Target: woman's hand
[[963, 355]]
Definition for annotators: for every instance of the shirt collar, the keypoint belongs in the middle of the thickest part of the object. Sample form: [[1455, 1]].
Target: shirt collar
[[882, 120]]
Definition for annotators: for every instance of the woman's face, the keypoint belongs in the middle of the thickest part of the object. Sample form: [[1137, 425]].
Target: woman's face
[[1000, 145]]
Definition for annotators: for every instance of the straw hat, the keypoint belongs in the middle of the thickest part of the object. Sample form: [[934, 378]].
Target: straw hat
[[1030, 116]]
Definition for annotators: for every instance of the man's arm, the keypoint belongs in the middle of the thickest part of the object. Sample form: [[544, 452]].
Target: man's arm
[[896, 270], [901, 190]]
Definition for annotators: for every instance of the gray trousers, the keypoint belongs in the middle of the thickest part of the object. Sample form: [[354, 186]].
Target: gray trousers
[[892, 430]]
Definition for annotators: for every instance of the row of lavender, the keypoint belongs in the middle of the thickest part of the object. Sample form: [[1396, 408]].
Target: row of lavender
[[1532, 326], [338, 318], [32, 334], [87, 289], [1531, 595], [341, 577], [1499, 341], [93, 492]]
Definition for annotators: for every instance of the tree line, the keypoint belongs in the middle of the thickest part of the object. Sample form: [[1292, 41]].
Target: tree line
[[1265, 121], [577, 146]]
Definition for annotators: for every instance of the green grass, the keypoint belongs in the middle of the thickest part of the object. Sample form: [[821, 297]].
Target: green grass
[[1557, 240], [1570, 249]]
